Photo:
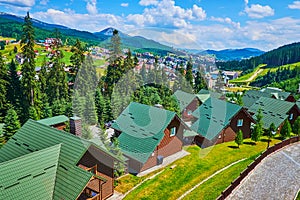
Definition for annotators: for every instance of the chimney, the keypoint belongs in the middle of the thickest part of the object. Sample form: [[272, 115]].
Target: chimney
[[75, 126]]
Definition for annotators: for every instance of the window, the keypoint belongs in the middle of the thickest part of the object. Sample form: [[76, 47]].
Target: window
[[291, 116], [173, 131], [189, 112], [240, 122]]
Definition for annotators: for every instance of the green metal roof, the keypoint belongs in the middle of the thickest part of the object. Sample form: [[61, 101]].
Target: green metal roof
[[54, 120], [39, 175], [213, 116], [278, 93], [1, 128], [189, 133], [184, 98], [34, 137], [273, 110], [298, 103], [204, 94], [142, 128], [251, 96]]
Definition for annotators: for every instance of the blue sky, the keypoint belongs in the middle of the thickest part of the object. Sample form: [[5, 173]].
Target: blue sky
[[197, 24]]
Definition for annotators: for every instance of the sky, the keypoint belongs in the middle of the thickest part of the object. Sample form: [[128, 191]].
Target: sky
[[193, 24]]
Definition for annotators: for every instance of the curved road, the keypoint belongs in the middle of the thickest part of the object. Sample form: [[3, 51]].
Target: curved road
[[276, 177]]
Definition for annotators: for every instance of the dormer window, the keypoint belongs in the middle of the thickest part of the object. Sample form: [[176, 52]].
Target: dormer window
[[240, 122], [173, 131]]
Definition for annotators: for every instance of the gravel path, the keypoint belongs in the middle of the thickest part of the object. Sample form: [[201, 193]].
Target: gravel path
[[276, 177]]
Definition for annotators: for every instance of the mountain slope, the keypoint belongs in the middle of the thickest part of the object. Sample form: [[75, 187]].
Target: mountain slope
[[11, 26], [233, 54], [283, 55]]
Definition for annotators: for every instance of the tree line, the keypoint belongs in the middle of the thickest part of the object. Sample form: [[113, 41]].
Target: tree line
[[286, 54]]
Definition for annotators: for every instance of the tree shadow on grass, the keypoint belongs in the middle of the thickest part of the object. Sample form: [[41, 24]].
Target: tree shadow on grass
[[233, 147], [265, 140], [250, 143]]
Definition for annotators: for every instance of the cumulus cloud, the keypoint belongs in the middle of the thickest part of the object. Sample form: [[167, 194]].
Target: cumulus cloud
[[124, 4], [91, 7], [19, 3], [165, 13], [148, 2], [258, 11], [72, 19], [199, 13], [294, 5], [226, 20], [44, 2]]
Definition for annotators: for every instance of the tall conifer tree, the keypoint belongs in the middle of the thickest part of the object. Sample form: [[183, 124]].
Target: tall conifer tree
[[28, 81]]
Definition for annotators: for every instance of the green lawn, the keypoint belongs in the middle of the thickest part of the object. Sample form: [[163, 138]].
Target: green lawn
[[218, 183], [245, 77], [194, 168]]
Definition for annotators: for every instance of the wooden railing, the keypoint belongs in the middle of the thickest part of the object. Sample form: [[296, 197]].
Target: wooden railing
[[244, 173]]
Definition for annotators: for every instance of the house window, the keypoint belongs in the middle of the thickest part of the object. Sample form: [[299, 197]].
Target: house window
[[173, 131], [240, 122], [291, 116], [189, 112]]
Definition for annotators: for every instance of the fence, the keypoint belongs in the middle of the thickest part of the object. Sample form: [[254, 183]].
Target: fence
[[244, 173]]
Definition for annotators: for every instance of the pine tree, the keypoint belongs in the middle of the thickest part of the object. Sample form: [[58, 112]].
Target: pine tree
[[107, 113], [76, 60], [28, 81], [119, 166], [14, 90], [90, 114], [200, 82], [143, 72], [12, 124], [239, 138], [115, 48], [100, 103], [3, 88], [189, 73], [33, 113], [286, 130], [270, 133], [258, 127], [47, 111], [86, 132], [296, 127], [57, 78]]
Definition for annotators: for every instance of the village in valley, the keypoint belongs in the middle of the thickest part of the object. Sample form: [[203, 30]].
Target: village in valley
[[91, 122]]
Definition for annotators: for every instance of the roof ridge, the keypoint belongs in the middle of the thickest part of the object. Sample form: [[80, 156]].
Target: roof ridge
[[53, 191]]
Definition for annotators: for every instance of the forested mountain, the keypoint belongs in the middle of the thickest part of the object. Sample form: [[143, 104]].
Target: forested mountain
[[286, 54], [233, 54], [11, 26]]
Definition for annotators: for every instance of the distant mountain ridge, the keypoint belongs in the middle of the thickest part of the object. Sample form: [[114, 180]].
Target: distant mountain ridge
[[13, 26], [233, 54]]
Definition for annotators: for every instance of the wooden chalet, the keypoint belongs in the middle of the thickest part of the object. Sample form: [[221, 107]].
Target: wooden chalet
[[188, 103], [251, 96], [218, 121], [59, 122], [147, 135], [40, 162], [275, 111]]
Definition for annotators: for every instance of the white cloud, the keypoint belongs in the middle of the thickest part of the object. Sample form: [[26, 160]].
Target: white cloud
[[44, 2], [294, 5], [91, 7], [165, 13], [87, 22], [258, 11], [124, 4], [148, 2], [199, 13], [226, 20], [19, 3]]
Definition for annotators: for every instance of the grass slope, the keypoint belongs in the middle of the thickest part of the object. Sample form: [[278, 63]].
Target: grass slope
[[192, 169]]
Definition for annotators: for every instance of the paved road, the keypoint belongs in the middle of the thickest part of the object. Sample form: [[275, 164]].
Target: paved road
[[276, 177]]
